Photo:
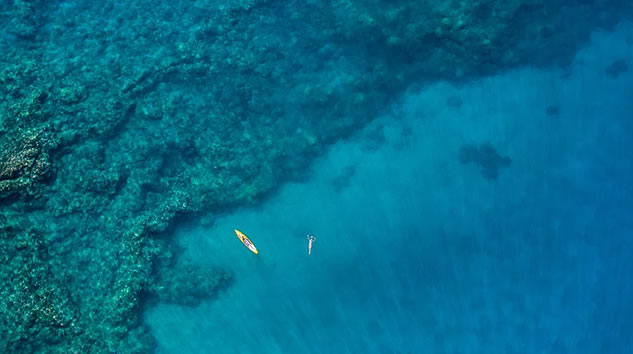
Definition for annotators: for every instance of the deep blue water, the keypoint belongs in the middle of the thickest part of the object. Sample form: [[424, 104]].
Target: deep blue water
[[417, 252]]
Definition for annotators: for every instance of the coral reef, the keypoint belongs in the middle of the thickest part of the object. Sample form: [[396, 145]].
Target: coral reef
[[39, 309], [24, 162], [119, 118], [186, 285]]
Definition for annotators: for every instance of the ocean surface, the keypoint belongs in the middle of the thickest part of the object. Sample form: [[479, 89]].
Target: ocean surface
[[493, 216]]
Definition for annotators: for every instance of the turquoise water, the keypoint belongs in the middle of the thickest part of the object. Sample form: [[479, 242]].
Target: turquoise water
[[418, 252], [465, 166]]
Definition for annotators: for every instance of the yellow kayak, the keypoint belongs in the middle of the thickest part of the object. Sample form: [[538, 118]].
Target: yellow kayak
[[246, 241]]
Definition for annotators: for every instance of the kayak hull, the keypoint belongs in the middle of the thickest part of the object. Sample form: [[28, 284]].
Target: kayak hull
[[246, 241]]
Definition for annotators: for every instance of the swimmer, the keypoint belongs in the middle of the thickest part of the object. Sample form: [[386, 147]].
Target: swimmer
[[311, 239]]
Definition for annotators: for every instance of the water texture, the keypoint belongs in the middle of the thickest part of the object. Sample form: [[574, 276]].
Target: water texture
[[465, 167], [421, 253]]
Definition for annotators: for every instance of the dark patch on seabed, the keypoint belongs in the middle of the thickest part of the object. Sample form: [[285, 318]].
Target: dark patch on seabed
[[115, 123], [454, 101], [617, 68], [342, 181], [553, 111], [486, 157]]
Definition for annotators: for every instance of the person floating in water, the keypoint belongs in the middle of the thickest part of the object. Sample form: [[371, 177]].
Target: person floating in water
[[311, 239]]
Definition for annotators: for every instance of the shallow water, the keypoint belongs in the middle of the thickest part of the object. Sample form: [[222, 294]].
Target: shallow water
[[417, 252]]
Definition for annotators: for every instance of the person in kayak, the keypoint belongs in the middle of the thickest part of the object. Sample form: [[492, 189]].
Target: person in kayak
[[311, 239]]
